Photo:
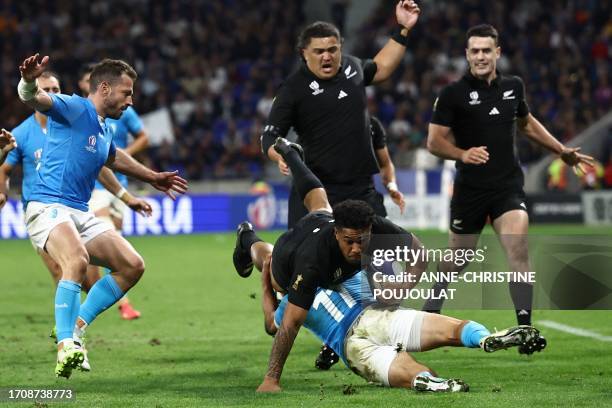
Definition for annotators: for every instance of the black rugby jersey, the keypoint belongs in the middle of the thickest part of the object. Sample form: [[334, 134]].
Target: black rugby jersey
[[480, 114], [331, 120], [309, 256]]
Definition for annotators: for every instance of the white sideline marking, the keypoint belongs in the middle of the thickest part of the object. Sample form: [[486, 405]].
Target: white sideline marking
[[574, 330]]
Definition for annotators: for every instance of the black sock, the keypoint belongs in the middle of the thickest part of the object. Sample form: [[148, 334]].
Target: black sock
[[248, 238], [522, 297], [303, 178], [434, 304]]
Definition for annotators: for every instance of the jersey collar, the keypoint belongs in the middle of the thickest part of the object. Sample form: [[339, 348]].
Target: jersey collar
[[479, 83]]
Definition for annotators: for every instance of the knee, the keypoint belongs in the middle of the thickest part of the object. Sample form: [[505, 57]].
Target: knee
[[77, 263], [137, 266]]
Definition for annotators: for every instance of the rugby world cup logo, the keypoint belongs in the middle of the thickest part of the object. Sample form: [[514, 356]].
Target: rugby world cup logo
[[314, 85], [474, 98], [91, 147]]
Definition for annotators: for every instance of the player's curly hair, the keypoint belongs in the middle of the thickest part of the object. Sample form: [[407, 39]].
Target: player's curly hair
[[353, 214], [110, 70]]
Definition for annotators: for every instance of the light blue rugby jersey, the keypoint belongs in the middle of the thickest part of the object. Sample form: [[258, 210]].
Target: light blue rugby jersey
[[76, 148], [30, 142], [129, 122], [333, 312]]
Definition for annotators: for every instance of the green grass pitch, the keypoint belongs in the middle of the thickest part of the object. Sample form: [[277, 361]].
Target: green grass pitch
[[200, 342]]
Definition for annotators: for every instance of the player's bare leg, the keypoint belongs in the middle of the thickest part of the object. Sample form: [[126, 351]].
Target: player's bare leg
[[65, 248], [511, 228], [125, 308]]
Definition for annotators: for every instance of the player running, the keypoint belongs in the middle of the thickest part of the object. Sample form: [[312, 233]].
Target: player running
[[30, 137], [78, 145], [103, 204]]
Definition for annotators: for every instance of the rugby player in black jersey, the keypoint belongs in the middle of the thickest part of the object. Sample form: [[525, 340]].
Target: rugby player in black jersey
[[482, 111]]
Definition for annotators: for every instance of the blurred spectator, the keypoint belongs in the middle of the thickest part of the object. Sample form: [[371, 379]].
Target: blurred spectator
[[216, 64]]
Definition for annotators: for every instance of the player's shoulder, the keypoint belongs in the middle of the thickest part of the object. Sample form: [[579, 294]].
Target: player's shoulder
[[128, 114], [452, 89], [513, 81]]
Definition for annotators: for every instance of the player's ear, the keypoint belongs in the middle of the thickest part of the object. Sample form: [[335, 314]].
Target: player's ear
[[105, 88]]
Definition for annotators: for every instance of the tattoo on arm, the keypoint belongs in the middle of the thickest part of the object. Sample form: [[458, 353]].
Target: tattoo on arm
[[283, 341]]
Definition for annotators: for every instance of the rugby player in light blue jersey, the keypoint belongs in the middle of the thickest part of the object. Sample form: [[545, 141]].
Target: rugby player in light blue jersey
[[7, 143], [105, 205], [78, 145], [30, 138], [375, 341], [324, 251]]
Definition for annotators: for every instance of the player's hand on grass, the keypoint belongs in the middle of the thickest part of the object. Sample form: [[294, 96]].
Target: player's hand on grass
[[31, 69], [140, 206], [170, 182], [572, 157], [398, 199], [282, 167], [7, 142], [407, 13], [269, 385], [475, 155]]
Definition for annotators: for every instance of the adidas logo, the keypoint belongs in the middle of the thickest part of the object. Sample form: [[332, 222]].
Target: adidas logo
[[523, 312], [342, 94], [494, 111]]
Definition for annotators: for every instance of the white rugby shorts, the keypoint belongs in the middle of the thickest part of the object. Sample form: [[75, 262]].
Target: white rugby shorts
[[371, 345], [41, 218], [101, 198]]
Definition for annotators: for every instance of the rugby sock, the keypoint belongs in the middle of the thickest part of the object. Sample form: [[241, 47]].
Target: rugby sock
[[472, 333], [522, 297], [303, 178], [434, 303], [102, 295], [67, 303], [248, 238]]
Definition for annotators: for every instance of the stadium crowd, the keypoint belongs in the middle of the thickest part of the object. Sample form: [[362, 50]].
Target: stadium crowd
[[216, 65]]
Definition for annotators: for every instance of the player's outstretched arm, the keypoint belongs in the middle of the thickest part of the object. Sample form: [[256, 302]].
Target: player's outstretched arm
[[439, 143], [534, 130], [283, 341], [28, 90], [7, 143], [108, 179], [388, 58], [168, 182]]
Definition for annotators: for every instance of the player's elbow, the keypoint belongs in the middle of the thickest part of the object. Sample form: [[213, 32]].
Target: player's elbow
[[432, 146]]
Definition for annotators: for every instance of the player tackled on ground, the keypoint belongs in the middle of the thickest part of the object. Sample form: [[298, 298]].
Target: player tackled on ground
[[78, 145], [323, 251]]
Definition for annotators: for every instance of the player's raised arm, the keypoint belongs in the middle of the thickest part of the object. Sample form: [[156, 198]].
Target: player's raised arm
[[28, 90], [283, 342], [388, 58], [7, 143], [167, 182]]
